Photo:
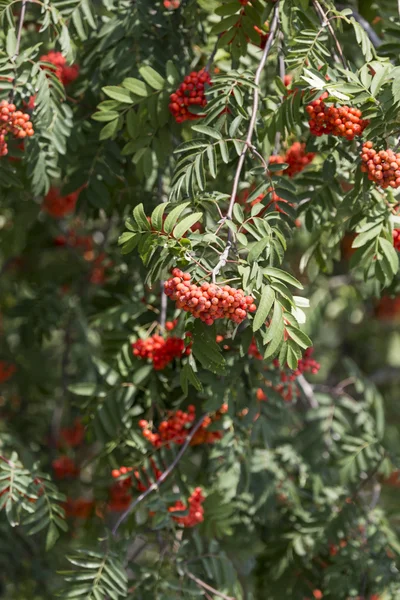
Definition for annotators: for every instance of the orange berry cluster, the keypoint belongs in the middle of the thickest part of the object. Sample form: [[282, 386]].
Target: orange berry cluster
[[159, 350], [196, 511], [171, 4], [189, 93], [64, 467], [297, 158], [73, 240], [341, 121], [177, 427], [383, 167], [287, 376], [208, 302], [119, 494], [7, 370], [396, 239], [80, 508], [59, 206], [73, 436], [65, 73], [14, 122]]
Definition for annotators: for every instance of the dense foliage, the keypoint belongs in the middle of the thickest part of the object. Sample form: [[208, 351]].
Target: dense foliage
[[193, 193]]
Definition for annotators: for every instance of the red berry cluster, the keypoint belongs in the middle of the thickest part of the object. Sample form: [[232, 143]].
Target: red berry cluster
[[65, 73], [196, 511], [159, 350], [80, 508], [388, 308], [396, 239], [14, 122], [73, 436], [297, 158], [253, 350], [59, 206], [64, 467], [383, 167], [208, 302], [341, 121], [119, 494], [178, 426], [7, 370], [73, 240], [263, 36], [172, 4], [189, 93]]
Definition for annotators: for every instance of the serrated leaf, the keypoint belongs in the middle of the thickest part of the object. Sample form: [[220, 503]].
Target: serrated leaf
[[186, 224], [264, 307], [257, 249], [208, 131], [157, 216], [135, 86], [154, 79], [173, 217], [118, 93]]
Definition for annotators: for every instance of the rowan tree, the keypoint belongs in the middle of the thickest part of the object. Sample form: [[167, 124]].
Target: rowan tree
[[199, 299]]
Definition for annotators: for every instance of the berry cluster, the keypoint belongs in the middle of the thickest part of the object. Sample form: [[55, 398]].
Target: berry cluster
[[383, 167], [263, 36], [196, 511], [14, 122], [396, 239], [100, 265], [170, 325], [287, 388], [7, 370], [138, 476], [80, 508], [73, 436], [65, 73], [73, 240], [208, 302], [172, 4], [64, 467], [297, 158], [59, 206], [177, 427], [159, 350], [388, 308], [189, 93], [119, 495], [253, 350], [342, 121]]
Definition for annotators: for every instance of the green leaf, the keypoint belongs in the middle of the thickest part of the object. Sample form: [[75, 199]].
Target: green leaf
[[299, 336], [140, 217], [173, 216], [257, 249], [52, 536], [109, 130], [11, 42], [118, 93], [157, 216], [390, 253], [207, 131], [83, 389], [205, 349], [105, 115], [135, 86], [283, 276], [186, 224], [153, 78], [264, 307]]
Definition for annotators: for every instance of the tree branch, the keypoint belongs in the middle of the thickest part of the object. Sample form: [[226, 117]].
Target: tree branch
[[250, 131], [205, 586], [154, 486], [326, 23]]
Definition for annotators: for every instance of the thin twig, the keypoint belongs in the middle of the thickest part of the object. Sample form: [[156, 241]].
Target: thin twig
[[17, 47], [326, 23], [212, 55], [223, 259], [154, 486], [308, 391], [205, 586], [253, 119]]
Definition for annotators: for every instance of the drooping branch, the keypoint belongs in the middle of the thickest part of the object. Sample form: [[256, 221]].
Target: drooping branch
[[154, 486]]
